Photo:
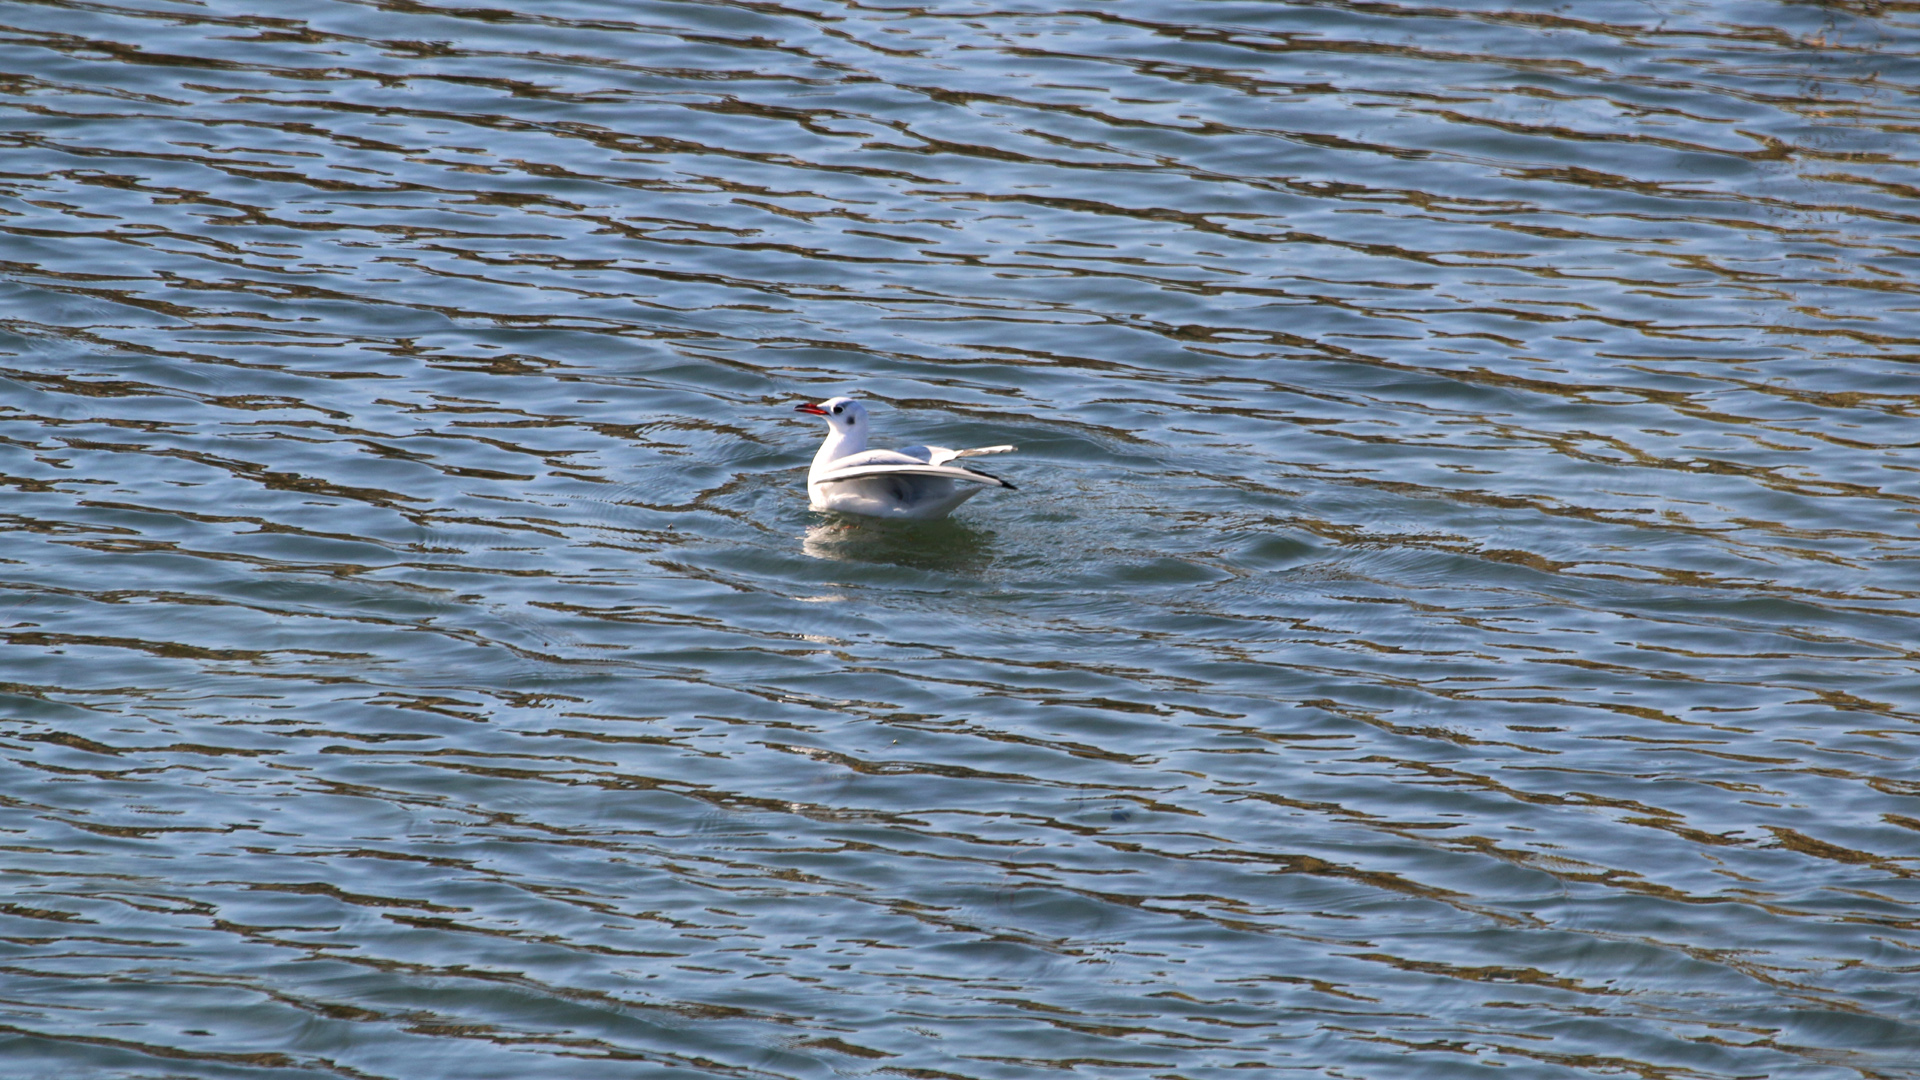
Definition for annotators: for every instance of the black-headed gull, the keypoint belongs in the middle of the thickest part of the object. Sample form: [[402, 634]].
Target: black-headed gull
[[913, 483]]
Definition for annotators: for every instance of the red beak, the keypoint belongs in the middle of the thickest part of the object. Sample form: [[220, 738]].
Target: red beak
[[814, 409]]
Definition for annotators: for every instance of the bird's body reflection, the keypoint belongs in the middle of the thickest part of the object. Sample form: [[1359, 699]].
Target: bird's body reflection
[[934, 545]]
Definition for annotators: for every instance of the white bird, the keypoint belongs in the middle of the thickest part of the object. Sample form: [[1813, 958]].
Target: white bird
[[913, 483]]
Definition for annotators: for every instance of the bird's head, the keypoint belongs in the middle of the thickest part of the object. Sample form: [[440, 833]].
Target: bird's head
[[844, 414]]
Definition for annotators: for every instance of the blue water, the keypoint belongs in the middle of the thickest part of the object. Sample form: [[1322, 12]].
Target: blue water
[[1457, 617]]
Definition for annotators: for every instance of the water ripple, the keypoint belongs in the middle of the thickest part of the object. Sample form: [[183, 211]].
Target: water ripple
[[1456, 614]]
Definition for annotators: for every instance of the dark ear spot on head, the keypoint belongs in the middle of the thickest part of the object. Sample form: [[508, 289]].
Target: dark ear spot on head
[[853, 419]]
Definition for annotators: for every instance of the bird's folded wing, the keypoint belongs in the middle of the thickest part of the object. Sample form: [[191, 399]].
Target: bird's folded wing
[[867, 472]]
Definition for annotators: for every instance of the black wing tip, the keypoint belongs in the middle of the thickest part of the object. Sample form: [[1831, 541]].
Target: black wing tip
[[1003, 483]]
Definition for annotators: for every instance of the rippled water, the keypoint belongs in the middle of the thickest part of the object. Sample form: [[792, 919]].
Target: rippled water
[[1458, 611]]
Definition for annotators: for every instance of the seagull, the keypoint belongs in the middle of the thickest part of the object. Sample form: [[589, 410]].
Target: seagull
[[913, 483]]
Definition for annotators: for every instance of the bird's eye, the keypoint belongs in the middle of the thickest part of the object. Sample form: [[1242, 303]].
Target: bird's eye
[[836, 408]]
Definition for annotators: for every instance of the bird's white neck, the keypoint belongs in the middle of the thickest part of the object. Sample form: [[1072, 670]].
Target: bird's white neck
[[839, 444]]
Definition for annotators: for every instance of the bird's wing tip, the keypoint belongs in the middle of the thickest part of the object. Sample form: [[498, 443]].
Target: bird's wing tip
[[989, 476]]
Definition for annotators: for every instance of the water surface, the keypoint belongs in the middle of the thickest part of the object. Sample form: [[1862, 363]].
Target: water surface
[[1458, 612]]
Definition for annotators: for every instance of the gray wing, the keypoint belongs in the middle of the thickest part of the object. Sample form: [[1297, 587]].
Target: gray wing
[[940, 455], [880, 457], [867, 471]]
